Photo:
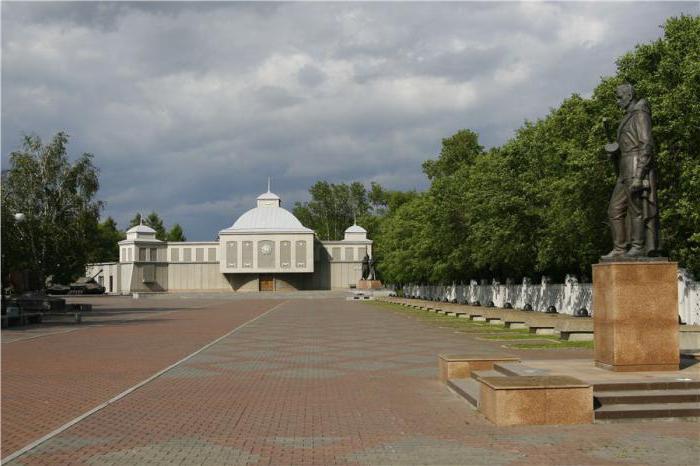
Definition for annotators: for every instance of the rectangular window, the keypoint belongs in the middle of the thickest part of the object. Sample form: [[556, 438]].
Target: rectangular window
[[123, 251], [187, 252], [285, 254], [211, 255], [149, 273], [142, 254], [174, 255], [154, 254], [128, 254], [199, 254], [231, 254], [247, 254], [300, 254], [335, 253], [348, 254], [266, 254]]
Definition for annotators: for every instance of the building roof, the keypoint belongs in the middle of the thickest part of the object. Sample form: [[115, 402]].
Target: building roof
[[141, 229], [267, 219], [355, 229]]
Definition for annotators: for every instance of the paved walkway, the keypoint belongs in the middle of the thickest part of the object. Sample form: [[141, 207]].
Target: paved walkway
[[335, 382]]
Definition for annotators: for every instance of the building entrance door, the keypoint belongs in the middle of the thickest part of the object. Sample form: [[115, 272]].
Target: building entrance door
[[267, 283]]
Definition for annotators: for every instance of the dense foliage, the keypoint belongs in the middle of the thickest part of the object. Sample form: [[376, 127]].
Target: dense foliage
[[59, 231], [537, 205], [61, 215]]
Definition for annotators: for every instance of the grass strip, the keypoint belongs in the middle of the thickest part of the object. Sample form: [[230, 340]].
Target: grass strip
[[527, 336], [553, 345], [463, 325]]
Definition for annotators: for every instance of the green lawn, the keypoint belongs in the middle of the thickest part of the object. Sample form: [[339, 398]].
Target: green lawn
[[483, 330]]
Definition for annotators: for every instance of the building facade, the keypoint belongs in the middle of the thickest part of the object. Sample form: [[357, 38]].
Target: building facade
[[266, 249]]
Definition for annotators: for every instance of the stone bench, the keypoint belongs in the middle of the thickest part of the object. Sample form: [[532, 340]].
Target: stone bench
[[536, 400], [455, 366]]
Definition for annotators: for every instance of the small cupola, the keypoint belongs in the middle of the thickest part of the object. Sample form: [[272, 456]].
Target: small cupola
[[141, 232], [355, 233], [269, 199]]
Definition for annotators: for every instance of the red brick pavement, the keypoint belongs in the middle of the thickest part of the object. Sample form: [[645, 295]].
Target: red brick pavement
[[324, 382], [50, 380]]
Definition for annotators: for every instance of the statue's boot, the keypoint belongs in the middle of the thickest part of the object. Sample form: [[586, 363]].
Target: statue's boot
[[637, 249], [617, 228]]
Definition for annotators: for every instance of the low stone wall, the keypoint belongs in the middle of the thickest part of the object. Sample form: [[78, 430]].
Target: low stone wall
[[567, 298]]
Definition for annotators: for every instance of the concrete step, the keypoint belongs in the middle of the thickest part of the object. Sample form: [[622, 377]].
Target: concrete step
[[648, 410], [469, 389], [517, 368], [611, 397], [671, 384], [486, 373]]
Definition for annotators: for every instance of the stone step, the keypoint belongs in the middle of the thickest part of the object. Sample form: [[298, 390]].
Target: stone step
[[476, 375], [670, 384], [611, 397], [648, 410], [469, 389], [516, 368]]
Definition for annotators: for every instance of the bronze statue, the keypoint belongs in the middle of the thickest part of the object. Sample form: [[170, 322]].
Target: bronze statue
[[633, 211], [365, 267], [372, 270]]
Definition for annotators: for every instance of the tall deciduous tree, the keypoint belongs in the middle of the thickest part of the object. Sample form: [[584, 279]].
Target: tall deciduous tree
[[104, 246], [333, 208], [57, 198]]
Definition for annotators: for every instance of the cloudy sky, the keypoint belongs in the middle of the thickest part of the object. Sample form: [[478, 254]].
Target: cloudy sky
[[188, 107]]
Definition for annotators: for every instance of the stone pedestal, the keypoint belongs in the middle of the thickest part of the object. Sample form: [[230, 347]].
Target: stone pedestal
[[536, 400], [369, 285], [635, 316]]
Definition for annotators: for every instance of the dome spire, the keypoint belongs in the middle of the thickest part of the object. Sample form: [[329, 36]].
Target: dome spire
[[268, 184]]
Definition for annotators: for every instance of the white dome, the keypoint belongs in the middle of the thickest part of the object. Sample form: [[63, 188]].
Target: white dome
[[268, 219], [141, 229], [355, 229]]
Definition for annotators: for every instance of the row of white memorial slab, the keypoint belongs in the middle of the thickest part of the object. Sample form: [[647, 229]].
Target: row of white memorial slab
[[567, 298]]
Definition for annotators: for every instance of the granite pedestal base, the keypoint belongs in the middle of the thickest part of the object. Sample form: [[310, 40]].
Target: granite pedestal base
[[635, 316], [538, 400], [369, 284]]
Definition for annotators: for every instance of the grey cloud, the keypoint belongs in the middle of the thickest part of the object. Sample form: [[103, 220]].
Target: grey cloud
[[188, 107]]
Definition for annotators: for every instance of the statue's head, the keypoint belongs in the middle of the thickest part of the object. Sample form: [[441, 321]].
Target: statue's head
[[624, 94]]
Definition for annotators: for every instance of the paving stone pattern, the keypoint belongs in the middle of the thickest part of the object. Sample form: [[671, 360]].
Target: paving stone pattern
[[55, 377], [331, 382]]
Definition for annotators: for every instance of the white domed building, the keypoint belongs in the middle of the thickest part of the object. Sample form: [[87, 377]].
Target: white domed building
[[266, 249]]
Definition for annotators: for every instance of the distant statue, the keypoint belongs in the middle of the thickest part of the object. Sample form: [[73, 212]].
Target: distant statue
[[365, 267], [633, 211], [372, 270]]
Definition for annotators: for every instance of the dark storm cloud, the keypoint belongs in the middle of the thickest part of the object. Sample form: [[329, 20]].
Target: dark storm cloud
[[188, 107]]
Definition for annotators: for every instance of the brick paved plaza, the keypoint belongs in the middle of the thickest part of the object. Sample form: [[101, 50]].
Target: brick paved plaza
[[294, 381]]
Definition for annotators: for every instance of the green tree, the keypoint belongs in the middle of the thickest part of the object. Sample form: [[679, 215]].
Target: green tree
[[57, 198], [537, 204], [105, 247], [135, 221], [333, 208], [154, 221], [176, 233]]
